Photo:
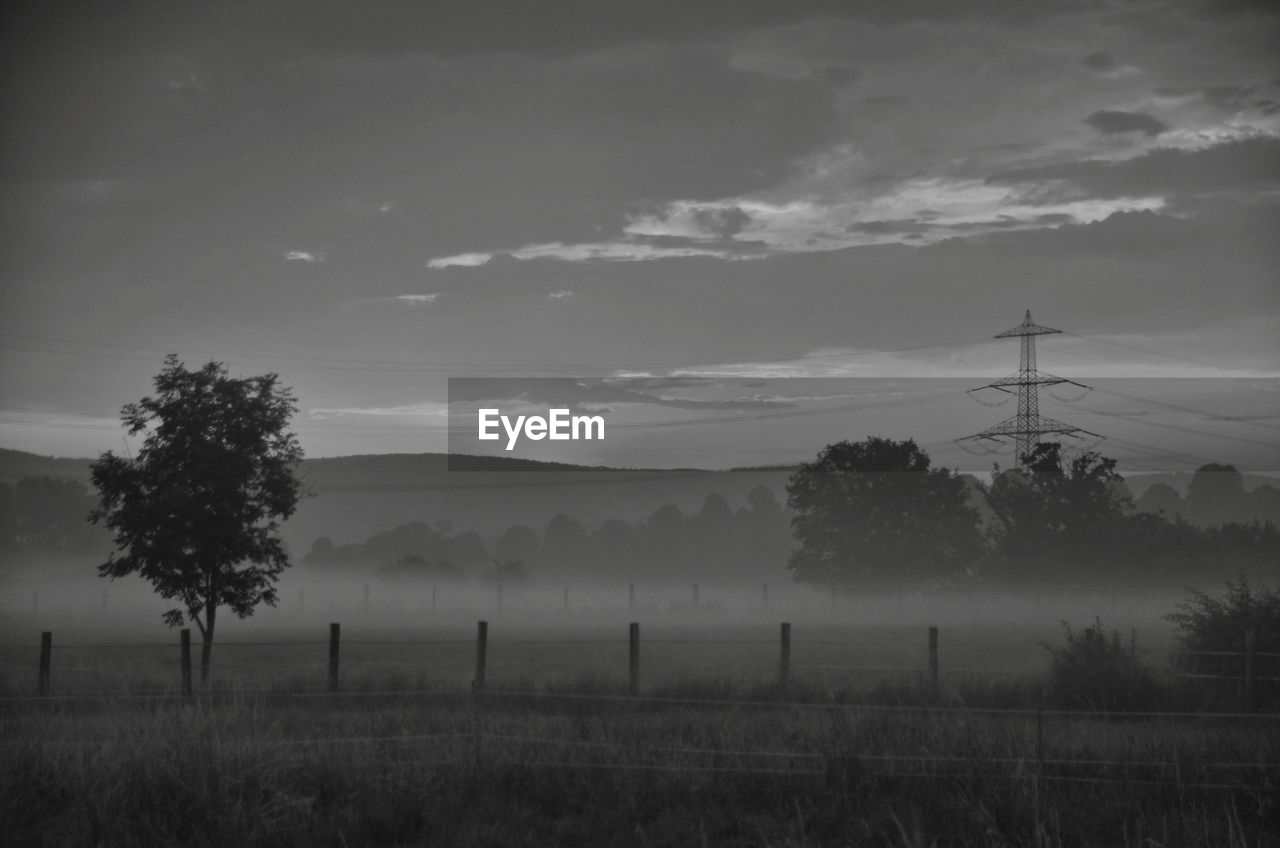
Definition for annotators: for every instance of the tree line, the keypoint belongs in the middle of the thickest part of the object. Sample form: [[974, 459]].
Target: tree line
[[875, 510], [714, 541], [878, 509]]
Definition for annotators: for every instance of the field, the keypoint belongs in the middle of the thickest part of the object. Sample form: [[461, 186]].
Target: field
[[858, 748]]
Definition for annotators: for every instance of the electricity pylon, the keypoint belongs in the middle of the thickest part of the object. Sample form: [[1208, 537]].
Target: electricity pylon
[[1028, 426]]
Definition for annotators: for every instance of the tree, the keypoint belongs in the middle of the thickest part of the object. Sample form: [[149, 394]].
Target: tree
[[563, 543], [877, 508], [1161, 498], [197, 512], [1216, 495], [1056, 507], [48, 514], [1211, 632]]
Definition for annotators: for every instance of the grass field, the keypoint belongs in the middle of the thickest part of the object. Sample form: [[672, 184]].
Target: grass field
[[859, 749]]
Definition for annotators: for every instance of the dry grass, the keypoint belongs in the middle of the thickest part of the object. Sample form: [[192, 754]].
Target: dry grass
[[565, 767]]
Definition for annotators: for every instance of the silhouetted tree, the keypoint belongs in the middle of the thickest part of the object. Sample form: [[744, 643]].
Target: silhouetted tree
[[1051, 511], [1215, 495], [1161, 498], [48, 515], [615, 547], [877, 508], [508, 572], [1264, 503], [196, 512], [517, 542], [563, 542], [466, 550]]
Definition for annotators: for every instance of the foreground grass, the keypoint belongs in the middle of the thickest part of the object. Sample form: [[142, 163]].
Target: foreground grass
[[567, 767]]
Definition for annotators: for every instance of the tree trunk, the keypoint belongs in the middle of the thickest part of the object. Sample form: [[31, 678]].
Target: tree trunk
[[206, 647]]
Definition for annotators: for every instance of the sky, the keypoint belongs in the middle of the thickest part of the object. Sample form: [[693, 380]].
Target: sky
[[370, 198]]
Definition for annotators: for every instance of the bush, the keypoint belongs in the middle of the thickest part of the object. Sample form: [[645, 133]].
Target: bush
[[1099, 672], [1211, 634]]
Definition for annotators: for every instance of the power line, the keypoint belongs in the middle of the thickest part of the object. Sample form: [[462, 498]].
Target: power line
[[1153, 352]]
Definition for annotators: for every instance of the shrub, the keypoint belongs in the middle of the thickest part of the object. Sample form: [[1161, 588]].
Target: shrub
[[1099, 672], [1211, 633]]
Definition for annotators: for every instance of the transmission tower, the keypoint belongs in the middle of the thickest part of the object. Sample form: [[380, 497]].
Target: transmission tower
[[1028, 426]]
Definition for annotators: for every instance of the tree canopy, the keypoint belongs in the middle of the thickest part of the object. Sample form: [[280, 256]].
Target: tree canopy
[[877, 509], [197, 511], [1056, 507]]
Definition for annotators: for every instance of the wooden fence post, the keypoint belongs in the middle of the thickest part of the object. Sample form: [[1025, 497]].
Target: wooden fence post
[[46, 656], [784, 656], [482, 649], [635, 659], [1250, 666], [335, 636], [933, 657], [184, 661]]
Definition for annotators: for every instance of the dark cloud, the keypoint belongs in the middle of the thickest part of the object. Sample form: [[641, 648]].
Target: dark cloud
[[723, 222], [1100, 61], [1228, 97], [1251, 163], [1112, 121]]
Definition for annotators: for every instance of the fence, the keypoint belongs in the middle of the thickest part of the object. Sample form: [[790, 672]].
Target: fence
[[379, 598], [932, 668]]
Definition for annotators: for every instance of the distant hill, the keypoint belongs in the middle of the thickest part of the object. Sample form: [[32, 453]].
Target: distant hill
[[14, 465]]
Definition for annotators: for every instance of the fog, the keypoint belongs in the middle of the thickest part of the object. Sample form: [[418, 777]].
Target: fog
[[307, 602]]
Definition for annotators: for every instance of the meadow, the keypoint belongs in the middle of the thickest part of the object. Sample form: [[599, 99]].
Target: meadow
[[858, 748]]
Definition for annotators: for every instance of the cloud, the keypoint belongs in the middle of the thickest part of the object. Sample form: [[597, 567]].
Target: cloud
[[559, 295], [632, 250], [303, 256], [417, 299], [1249, 164], [919, 210], [464, 260], [1111, 122]]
